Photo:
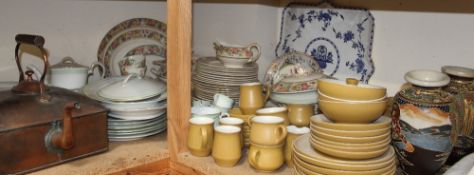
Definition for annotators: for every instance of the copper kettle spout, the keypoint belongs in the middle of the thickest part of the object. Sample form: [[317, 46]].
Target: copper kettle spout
[[64, 139]]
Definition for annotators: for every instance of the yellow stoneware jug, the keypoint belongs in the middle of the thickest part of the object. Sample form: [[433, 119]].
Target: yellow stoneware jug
[[251, 97]]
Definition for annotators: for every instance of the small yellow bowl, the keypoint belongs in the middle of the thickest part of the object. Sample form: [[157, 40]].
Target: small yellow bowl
[[323, 121], [348, 112], [323, 96], [350, 89]]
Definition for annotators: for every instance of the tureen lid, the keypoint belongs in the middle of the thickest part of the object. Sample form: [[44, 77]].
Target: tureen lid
[[68, 63], [132, 88]]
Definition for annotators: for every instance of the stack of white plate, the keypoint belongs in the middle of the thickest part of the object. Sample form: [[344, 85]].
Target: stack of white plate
[[131, 119], [211, 77]]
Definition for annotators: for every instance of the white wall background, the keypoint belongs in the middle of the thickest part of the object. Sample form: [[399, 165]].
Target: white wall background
[[403, 40]]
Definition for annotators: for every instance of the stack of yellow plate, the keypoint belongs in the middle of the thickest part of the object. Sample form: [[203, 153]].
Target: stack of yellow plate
[[354, 141], [309, 161]]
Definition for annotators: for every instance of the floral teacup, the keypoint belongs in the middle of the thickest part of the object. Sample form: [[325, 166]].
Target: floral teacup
[[133, 64]]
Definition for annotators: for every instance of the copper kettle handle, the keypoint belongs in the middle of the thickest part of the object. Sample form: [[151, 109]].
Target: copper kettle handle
[[37, 41], [64, 139]]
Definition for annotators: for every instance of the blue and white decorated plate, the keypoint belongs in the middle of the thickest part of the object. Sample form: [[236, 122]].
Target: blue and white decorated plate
[[340, 40]]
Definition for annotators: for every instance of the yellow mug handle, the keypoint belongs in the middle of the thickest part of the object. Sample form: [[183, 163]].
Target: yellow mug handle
[[253, 158], [282, 131], [249, 120]]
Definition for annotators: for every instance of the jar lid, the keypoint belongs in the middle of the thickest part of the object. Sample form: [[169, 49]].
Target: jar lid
[[427, 78], [67, 62], [458, 71]]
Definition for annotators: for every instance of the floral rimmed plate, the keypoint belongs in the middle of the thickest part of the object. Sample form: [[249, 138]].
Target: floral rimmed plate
[[131, 24], [340, 40], [139, 36]]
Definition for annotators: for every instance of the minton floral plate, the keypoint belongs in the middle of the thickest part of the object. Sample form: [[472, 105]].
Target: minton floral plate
[[130, 24], [140, 36], [340, 40]]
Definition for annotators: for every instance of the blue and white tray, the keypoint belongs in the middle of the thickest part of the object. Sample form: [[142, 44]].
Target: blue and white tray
[[339, 39]]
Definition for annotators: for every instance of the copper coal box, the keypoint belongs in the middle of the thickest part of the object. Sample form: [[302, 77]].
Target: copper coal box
[[42, 126]]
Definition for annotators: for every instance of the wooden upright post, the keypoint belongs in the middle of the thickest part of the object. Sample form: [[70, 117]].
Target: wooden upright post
[[179, 35]]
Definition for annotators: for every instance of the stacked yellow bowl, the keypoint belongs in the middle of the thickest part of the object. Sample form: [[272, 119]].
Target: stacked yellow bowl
[[351, 137], [351, 101]]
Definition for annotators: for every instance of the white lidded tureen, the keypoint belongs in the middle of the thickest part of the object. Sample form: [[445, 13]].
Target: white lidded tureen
[[132, 88]]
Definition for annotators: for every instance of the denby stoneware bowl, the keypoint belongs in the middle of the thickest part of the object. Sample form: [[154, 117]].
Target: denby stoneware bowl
[[321, 120], [343, 139], [349, 133], [350, 148], [325, 97], [350, 89], [132, 88], [325, 170], [427, 78], [302, 149], [347, 112]]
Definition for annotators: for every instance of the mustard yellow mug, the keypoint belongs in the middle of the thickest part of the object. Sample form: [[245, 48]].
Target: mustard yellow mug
[[200, 137]]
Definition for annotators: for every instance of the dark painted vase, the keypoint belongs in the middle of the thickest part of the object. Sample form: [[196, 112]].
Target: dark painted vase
[[422, 125], [462, 88]]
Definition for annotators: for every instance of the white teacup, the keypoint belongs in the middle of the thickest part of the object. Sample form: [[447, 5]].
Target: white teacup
[[204, 111], [133, 64], [223, 101], [201, 103]]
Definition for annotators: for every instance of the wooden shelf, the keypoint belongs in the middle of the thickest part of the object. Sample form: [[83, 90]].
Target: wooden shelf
[[206, 165], [121, 156]]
